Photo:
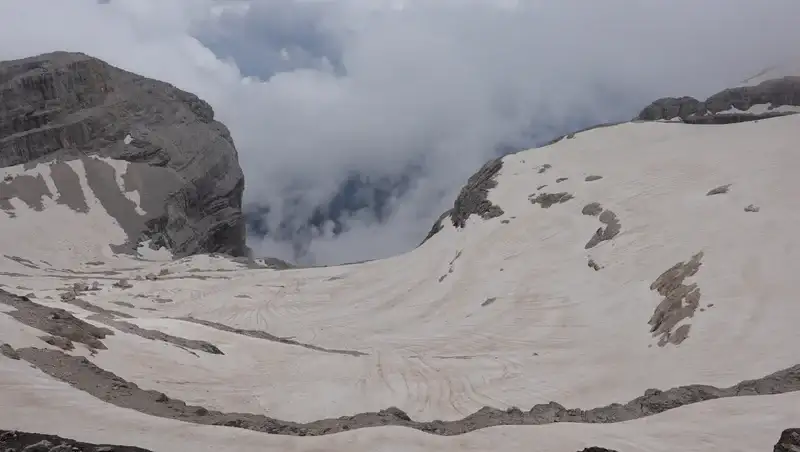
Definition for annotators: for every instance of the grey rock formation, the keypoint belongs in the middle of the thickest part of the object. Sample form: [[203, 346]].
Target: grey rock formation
[[62, 106], [775, 93], [789, 441], [546, 200], [473, 199], [57, 323], [14, 441], [602, 234]]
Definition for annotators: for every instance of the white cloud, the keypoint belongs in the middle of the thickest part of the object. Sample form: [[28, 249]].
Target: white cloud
[[377, 86]]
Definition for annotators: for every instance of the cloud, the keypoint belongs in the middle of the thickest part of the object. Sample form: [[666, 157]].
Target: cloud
[[412, 94]]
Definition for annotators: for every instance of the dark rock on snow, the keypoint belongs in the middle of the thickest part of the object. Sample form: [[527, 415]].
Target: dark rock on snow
[[473, 199], [789, 441], [62, 106], [775, 93], [14, 441]]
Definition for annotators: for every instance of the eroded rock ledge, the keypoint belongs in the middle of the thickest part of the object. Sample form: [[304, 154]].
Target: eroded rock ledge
[[84, 375], [16, 441], [730, 105], [63, 106]]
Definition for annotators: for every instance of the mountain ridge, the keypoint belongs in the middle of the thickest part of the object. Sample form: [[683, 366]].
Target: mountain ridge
[[61, 106], [645, 268]]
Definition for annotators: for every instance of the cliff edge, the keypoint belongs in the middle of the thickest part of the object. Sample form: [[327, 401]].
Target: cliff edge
[[59, 107]]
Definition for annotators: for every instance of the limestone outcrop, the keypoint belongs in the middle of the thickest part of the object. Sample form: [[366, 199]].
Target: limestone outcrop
[[62, 106]]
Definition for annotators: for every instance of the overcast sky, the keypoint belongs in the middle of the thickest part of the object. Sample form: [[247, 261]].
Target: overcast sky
[[316, 90]]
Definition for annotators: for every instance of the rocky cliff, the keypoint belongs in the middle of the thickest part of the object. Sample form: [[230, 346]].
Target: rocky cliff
[[770, 98], [63, 106]]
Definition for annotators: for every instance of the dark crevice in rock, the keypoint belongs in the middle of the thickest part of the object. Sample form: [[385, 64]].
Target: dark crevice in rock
[[16, 441], [82, 374], [473, 199], [774, 93], [269, 337]]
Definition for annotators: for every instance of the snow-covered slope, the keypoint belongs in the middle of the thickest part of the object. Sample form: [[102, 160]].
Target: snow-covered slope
[[627, 258]]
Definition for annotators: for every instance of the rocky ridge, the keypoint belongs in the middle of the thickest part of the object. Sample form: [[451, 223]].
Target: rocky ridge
[[63, 106], [729, 105], [779, 97]]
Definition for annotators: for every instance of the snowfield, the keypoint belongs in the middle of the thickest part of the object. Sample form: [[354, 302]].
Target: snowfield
[[641, 256]]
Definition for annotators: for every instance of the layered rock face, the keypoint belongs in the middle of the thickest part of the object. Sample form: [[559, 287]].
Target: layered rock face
[[63, 106], [776, 98]]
